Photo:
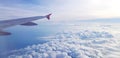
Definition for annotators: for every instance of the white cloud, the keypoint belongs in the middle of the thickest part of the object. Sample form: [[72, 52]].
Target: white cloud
[[69, 44]]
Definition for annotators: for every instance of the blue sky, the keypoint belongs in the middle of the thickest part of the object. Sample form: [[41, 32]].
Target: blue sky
[[61, 9]]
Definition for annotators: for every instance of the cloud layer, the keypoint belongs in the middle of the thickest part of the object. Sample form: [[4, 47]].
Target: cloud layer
[[82, 44]]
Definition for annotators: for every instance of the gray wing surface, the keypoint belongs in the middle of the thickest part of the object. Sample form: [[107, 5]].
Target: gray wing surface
[[9, 23]]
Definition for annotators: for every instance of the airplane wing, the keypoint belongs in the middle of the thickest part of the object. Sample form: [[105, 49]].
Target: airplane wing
[[20, 21]]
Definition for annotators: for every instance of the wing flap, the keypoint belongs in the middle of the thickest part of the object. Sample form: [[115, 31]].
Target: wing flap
[[29, 24], [4, 33]]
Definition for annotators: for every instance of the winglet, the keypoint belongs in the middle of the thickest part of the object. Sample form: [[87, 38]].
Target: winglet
[[48, 16]]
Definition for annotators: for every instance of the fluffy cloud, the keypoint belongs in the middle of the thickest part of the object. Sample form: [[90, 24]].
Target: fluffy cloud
[[82, 44]]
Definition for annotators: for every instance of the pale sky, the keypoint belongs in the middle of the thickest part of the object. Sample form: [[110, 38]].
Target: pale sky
[[61, 9]]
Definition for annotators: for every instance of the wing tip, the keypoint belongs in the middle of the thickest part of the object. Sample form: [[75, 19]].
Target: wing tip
[[48, 16]]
